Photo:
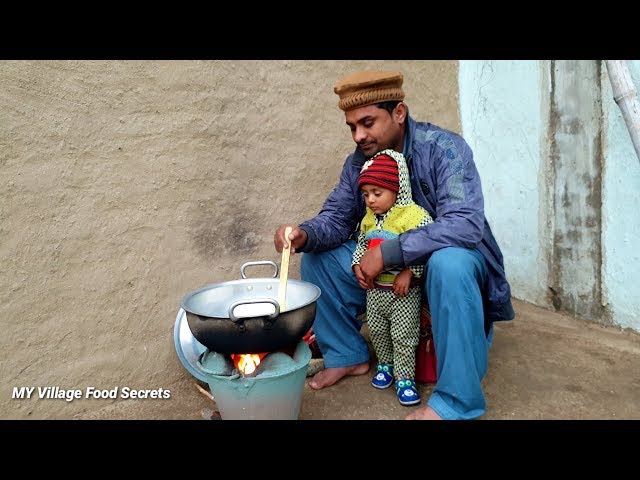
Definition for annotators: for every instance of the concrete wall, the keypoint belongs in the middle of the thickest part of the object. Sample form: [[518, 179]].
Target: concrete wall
[[576, 171], [620, 212], [560, 175], [502, 110], [127, 184]]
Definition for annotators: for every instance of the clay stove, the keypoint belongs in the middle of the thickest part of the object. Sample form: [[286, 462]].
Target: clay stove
[[265, 387], [221, 325]]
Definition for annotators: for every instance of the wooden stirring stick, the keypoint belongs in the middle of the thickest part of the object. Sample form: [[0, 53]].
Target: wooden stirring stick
[[284, 271]]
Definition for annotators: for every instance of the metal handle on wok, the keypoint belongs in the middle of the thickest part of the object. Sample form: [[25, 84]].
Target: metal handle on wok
[[269, 318], [261, 262]]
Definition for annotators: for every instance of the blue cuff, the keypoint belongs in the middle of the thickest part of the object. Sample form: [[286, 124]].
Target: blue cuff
[[311, 239], [392, 253]]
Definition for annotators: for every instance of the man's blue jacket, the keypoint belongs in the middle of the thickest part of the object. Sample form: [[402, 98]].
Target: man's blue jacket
[[445, 181]]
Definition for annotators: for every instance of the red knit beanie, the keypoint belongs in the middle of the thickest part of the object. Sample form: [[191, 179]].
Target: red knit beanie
[[382, 171]]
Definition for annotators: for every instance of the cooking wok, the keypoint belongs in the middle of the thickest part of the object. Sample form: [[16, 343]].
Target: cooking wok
[[244, 316]]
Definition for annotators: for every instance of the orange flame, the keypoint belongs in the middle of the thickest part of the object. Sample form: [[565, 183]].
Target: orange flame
[[247, 362]]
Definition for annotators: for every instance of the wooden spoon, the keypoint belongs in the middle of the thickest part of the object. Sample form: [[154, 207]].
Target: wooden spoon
[[284, 271]]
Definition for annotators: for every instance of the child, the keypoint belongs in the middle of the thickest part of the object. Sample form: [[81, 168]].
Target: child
[[393, 305]]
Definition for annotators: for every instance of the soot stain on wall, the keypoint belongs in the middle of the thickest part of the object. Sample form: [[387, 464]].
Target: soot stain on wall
[[224, 234]]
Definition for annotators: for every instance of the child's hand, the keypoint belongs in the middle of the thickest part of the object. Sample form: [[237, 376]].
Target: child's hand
[[402, 282], [360, 277]]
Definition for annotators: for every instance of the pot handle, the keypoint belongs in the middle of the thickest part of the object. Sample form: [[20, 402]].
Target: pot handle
[[261, 262], [270, 318]]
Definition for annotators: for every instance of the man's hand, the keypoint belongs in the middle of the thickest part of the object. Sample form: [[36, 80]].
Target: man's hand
[[371, 264], [297, 238], [402, 282], [360, 277]]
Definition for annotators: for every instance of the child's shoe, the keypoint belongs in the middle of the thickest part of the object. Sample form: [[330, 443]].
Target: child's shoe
[[384, 376], [407, 393]]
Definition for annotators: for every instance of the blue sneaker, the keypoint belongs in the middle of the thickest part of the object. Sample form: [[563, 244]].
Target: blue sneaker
[[383, 377], [407, 393]]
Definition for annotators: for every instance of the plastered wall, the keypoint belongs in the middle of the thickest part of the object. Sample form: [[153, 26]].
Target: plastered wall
[[126, 184]]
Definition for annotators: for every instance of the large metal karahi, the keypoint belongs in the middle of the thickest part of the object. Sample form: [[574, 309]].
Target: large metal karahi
[[244, 316]]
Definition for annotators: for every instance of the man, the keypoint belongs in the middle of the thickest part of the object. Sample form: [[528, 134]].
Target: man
[[465, 283]]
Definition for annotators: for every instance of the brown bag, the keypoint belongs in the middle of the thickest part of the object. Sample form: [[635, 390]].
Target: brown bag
[[426, 365]]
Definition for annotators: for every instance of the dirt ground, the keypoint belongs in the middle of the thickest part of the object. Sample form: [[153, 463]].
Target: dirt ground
[[543, 366]]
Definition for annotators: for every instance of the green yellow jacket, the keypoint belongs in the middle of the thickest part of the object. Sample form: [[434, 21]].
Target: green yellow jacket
[[404, 215]]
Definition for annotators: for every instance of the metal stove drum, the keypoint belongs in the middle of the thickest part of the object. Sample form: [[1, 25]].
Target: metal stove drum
[[234, 337]]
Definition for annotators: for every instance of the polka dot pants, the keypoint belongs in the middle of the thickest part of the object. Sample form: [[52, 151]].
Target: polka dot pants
[[394, 324]]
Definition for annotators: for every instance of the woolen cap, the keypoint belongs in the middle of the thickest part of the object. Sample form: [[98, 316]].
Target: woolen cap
[[368, 87], [381, 170]]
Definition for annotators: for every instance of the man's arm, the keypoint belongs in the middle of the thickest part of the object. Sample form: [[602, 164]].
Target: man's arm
[[459, 209], [339, 215]]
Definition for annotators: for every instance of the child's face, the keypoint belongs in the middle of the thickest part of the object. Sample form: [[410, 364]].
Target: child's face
[[378, 199]]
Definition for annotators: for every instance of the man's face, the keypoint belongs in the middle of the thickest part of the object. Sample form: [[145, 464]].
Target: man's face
[[375, 129]]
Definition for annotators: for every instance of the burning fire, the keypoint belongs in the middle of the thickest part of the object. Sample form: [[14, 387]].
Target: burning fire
[[247, 362]]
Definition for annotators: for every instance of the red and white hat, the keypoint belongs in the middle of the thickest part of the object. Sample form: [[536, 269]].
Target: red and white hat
[[382, 171]]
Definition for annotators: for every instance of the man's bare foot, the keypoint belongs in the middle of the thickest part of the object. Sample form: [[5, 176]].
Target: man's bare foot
[[329, 376], [423, 413]]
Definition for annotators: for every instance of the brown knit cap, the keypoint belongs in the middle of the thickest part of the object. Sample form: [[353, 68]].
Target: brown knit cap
[[368, 87]]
